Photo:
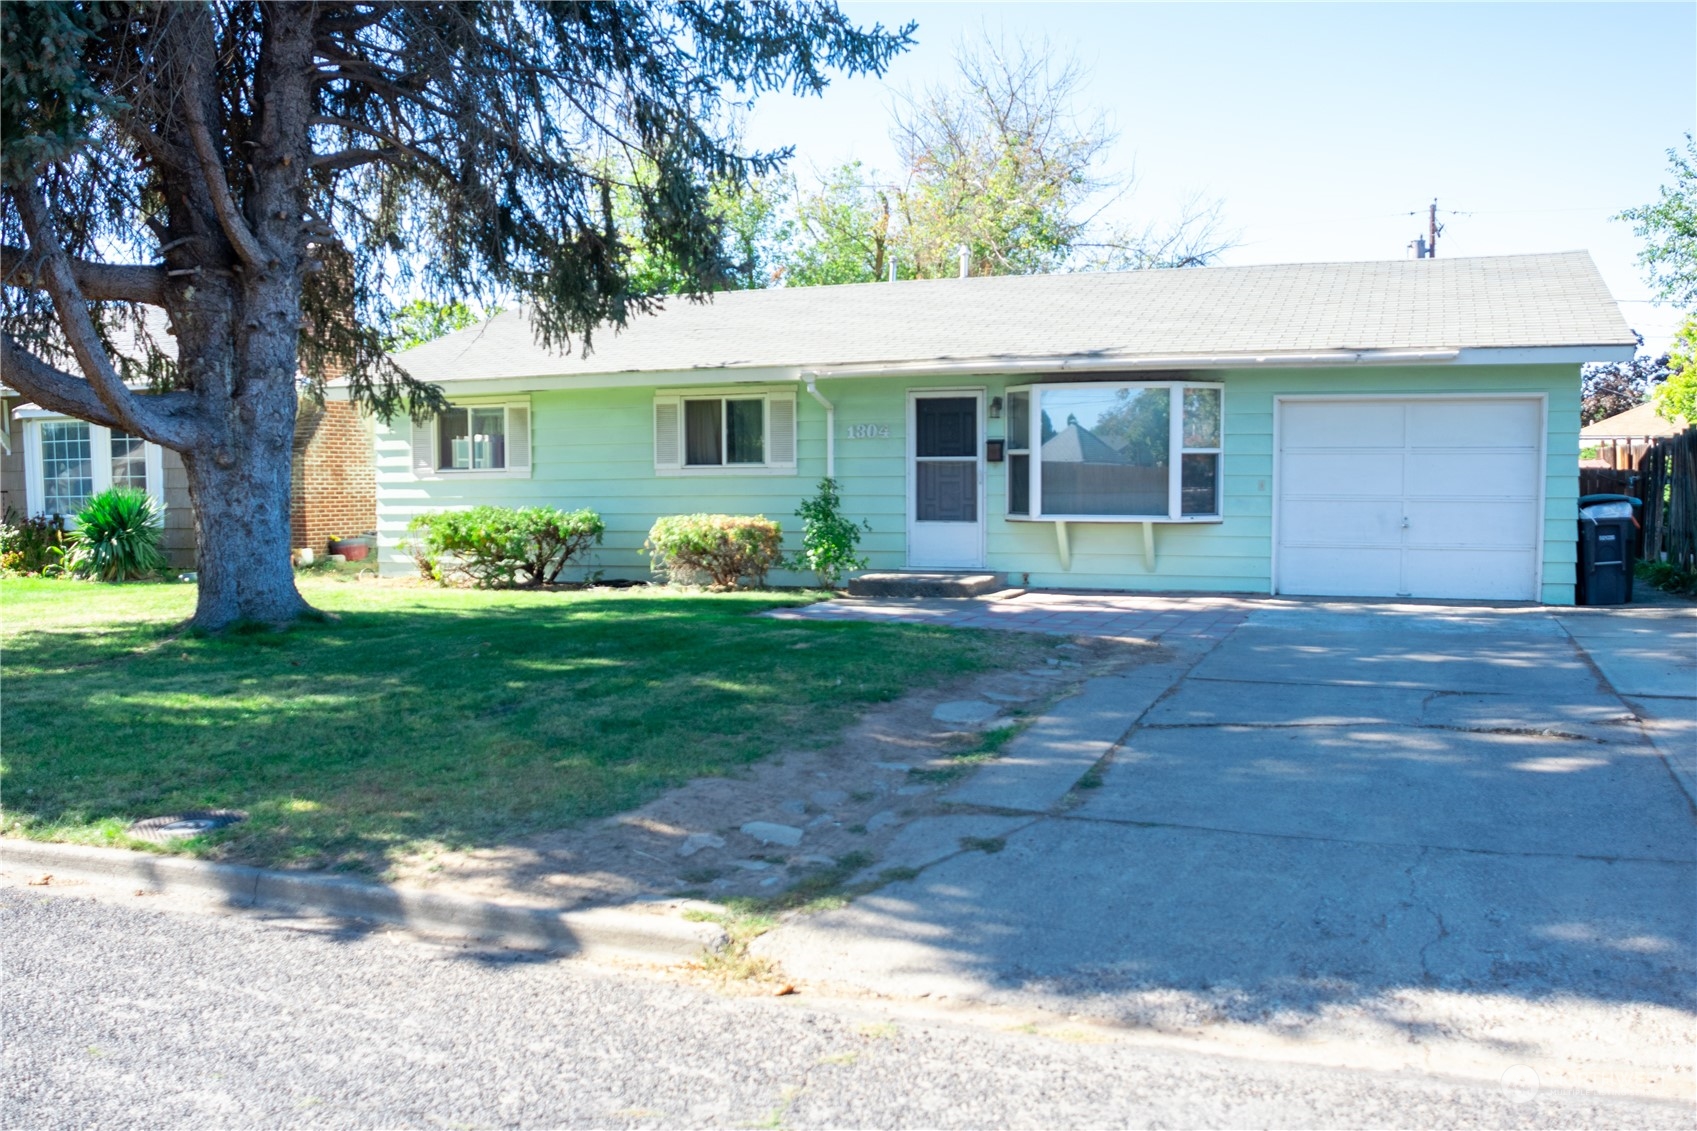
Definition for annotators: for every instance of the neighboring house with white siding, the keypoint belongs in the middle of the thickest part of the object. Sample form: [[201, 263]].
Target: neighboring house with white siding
[[1407, 427]]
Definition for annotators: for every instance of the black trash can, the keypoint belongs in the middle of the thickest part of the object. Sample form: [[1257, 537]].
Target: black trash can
[[1607, 536]]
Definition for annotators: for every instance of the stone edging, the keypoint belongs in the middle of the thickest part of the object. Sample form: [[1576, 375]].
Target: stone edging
[[597, 933]]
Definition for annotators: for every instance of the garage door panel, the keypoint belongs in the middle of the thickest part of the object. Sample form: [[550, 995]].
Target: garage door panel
[[1473, 423], [1500, 575], [1323, 572], [1496, 473], [1341, 424], [1493, 525], [1364, 522], [1330, 474], [1464, 472]]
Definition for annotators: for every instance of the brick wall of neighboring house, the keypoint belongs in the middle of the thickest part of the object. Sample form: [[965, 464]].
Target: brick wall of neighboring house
[[334, 490]]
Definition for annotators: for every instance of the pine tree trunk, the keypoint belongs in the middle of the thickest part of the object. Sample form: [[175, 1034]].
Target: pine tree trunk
[[241, 504]]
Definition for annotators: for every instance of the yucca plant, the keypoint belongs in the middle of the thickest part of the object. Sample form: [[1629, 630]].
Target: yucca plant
[[117, 537]]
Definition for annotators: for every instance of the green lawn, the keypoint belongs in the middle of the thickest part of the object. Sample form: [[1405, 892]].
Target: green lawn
[[422, 717]]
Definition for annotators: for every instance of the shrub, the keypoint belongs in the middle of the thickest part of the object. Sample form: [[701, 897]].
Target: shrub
[[117, 537], [1669, 577], [828, 538], [495, 546], [724, 547], [32, 545]]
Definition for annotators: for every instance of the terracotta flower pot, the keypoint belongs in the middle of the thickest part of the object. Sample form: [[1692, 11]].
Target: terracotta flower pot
[[351, 550]]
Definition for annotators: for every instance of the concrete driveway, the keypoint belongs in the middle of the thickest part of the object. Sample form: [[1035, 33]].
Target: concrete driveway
[[1452, 840]]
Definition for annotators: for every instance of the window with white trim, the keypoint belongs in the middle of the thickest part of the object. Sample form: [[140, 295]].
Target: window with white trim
[[724, 433], [474, 439], [67, 466], [1104, 452], [66, 462]]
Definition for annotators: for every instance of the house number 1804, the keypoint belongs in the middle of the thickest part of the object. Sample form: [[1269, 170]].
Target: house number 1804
[[868, 431]]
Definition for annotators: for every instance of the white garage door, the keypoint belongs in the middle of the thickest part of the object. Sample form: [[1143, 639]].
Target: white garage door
[[1410, 498]]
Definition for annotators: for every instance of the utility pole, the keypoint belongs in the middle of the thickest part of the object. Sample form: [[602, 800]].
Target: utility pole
[[1426, 247]]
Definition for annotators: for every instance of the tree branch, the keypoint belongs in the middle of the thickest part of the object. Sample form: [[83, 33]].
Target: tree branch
[[54, 268], [98, 282], [50, 387], [53, 388], [212, 172]]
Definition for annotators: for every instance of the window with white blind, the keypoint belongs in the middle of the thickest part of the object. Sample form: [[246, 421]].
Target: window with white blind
[[474, 439], [725, 433]]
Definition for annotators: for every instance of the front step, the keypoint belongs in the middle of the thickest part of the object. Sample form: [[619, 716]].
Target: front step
[[925, 584]]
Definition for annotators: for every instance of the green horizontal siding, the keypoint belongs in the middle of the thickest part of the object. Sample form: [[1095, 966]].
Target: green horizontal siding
[[594, 448]]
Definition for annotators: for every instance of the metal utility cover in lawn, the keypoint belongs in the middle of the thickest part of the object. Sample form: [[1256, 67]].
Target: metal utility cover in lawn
[[181, 826]]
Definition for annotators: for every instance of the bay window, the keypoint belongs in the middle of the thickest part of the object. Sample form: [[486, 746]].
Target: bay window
[[1104, 452]]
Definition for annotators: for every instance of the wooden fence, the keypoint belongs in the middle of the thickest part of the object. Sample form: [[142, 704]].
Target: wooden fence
[[1667, 482]]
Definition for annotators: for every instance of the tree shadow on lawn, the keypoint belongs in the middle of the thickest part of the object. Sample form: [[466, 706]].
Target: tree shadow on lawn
[[421, 721]]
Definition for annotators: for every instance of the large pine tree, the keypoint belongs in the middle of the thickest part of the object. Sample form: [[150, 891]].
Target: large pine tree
[[266, 174]]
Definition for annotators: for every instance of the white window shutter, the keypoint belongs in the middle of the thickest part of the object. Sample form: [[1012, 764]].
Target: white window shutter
[[668, 432], [780, 445], [518, 439], [424, 448]]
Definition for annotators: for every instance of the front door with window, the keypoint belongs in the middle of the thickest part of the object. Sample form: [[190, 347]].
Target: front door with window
[[945, 503]]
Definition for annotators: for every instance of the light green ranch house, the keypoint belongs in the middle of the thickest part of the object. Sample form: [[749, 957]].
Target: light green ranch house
[[1402, 428]]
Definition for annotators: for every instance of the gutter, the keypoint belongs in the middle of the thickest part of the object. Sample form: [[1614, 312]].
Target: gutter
[[830, 423]]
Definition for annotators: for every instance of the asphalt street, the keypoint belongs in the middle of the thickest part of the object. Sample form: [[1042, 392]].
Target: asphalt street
[[118, 1014]]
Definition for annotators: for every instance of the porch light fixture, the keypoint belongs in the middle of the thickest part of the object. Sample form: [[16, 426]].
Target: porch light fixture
[[995, 408]]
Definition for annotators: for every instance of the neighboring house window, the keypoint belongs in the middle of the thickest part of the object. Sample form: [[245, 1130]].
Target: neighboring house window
[[488, 438], [67, 461], [472, 439], [1107, 452], [67, 466], [129, 461], [729, 433]]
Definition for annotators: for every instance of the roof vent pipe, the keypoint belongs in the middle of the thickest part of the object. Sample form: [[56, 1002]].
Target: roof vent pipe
[[965, 260], [892, 268]]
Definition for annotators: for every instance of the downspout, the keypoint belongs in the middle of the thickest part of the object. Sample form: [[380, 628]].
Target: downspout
[[830, 425]]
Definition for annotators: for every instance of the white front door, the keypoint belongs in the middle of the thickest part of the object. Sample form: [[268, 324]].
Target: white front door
[[945, 482], [1417, 497]]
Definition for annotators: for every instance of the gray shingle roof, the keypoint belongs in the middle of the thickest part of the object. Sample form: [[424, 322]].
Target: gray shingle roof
[[1498, 301]]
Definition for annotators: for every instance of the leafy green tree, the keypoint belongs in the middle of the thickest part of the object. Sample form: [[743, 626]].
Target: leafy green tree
[[421, 321], [997, 161], [1669, 229], [268, 173], [1677, 396], [841, 232]]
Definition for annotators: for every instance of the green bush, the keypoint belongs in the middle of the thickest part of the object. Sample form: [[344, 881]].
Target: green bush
[[828, 538], [499, 546], [724, 547], [1669, 577], [32, 545], [117, 537]]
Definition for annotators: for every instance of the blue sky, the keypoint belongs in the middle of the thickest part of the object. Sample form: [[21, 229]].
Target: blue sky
[[1323, 126]]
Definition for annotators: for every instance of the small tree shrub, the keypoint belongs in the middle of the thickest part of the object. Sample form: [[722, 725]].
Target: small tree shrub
[[725, 548], [117, 537], [32, 545], [497, 546], [828, 538]]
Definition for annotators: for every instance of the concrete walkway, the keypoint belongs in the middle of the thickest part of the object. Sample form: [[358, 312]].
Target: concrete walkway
[[1070, 614], [1451, 839]]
